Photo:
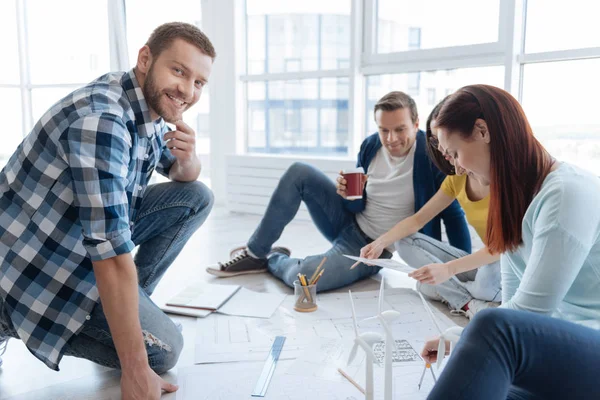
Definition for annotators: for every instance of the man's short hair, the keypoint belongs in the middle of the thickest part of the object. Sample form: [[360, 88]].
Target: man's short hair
[[164, 35], [396, 100]]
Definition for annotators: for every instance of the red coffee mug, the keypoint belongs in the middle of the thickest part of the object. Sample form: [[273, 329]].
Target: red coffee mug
[[355, 183]]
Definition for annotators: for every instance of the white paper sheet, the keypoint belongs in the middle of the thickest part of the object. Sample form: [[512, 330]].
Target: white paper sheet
[[160, 298], [237, 381], [246, 303], [227, 339], [384, 263], [204, 296], [322, 361]]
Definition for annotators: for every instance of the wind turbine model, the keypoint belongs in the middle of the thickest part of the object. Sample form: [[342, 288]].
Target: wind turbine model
[[385, 318], [452, 334], [366, 341]]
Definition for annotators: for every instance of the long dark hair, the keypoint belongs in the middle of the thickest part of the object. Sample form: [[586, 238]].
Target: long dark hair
[[434, 154], [518, 165]]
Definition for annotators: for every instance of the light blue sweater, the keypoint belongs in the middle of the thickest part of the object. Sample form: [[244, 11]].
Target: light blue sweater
[[556, 271]]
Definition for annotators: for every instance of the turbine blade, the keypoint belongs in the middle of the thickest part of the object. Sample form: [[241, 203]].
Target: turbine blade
[[441, 352], [430, 313], [380, 308], [353, 353], [353, 313]]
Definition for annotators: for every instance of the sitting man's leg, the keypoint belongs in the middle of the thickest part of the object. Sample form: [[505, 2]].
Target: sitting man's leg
[[301, 182], [162, 338], [337, 267], [169, 215]]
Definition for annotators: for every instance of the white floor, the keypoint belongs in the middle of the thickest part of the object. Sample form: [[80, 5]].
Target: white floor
[[23, 377]]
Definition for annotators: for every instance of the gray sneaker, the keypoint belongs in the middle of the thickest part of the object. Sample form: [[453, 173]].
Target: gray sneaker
[[3, 345], [242, 263]]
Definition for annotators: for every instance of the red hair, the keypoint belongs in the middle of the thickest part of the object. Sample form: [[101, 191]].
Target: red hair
[[518, 165]]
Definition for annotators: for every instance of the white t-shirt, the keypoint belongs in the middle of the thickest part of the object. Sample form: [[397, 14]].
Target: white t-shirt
[[390, 193]]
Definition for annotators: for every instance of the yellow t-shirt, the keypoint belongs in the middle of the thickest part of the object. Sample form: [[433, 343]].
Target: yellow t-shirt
[[475, 211]]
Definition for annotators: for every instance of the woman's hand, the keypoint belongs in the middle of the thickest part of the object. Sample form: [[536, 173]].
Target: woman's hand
[[430, 350], [373, 250], [432, 274]]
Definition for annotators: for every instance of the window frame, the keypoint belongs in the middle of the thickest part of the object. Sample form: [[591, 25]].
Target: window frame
[[351, 72]]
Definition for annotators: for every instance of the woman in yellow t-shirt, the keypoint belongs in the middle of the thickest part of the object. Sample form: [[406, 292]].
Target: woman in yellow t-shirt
[[467, 282]]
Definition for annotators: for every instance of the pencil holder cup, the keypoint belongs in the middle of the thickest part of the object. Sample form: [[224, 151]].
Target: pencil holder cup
[[306, 297]]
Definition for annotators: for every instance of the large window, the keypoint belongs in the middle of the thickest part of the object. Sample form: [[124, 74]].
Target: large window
[[58, 51], [558, 25], [9, 45], [305, 43], [560, 99], [432, 88], [308, 115], [404, 25], [38, 67], [298, 52], [560, 79]]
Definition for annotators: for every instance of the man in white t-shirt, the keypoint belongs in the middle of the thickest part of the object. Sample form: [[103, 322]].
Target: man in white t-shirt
[[401, 180]]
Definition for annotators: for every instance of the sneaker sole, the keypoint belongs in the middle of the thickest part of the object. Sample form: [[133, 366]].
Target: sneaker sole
[[277, 249], [223, 274]]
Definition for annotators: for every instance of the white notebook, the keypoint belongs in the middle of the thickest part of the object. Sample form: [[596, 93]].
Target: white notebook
[[203, 297]]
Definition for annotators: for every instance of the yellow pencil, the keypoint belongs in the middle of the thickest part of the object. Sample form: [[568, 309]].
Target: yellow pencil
[[352, 381], [312, 278], [306, 291], [314, 282]]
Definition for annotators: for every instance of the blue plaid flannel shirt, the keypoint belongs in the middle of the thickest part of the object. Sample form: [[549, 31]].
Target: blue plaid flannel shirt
[[68, 196]]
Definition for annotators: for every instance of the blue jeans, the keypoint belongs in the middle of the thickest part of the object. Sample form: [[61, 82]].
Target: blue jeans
[[170, 213], [507, 354], [302, 182], [482, 283]]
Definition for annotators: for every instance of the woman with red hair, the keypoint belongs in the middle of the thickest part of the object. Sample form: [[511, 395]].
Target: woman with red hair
[[545, 221]]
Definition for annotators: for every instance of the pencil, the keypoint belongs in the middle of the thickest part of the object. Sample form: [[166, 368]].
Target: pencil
[[312, 278], [345, 375], [355, 264], [306, 291], [314, 282]]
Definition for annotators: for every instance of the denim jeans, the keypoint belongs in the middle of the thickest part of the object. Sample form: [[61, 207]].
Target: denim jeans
[[302, 182], [508, 354], [170, 213], [483, 283]]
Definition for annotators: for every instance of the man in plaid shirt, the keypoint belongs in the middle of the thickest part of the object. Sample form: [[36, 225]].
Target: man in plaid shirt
[[75, 201]]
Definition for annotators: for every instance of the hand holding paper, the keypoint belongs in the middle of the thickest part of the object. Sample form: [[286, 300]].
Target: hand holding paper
[[432, 274], [384, 263]]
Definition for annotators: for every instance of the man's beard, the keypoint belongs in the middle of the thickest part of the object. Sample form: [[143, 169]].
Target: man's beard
[[153, 98]]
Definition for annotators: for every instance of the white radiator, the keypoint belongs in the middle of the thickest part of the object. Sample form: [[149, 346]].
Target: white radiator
[[251, 179]]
